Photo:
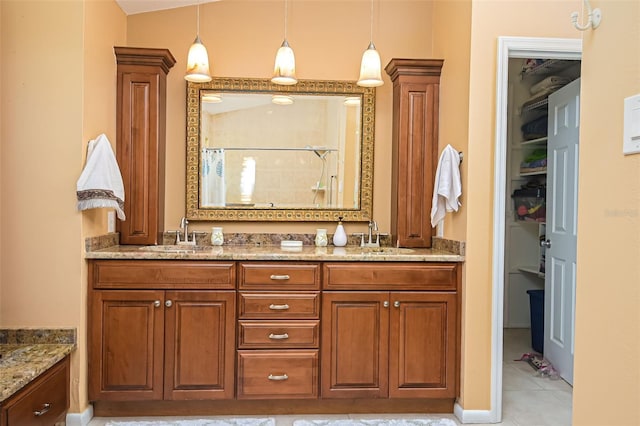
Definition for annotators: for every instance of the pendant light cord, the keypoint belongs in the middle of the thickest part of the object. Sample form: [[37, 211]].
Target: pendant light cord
[[198, 19], [371, 30], [285, 19]]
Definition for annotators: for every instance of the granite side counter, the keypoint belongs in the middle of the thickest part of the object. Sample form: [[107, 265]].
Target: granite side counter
[[27, 353]]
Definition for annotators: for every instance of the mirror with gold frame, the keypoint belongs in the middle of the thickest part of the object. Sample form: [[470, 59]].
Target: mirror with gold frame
[[257, 151]]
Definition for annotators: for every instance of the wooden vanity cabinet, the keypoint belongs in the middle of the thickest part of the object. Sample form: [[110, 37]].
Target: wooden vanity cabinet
[[43, 402], [155, 334], [416, 85], [278, 330], [140, 145], [396, 344]]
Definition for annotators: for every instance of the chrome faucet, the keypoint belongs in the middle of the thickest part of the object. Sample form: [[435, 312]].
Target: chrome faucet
[[373, 227], [184, 224]]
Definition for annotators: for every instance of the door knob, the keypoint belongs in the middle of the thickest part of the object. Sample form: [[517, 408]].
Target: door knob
[[545, 243], [156, 303], [396, 304], [168, 303], [385, 303]]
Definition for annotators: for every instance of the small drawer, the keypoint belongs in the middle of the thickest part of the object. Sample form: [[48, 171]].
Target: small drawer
[[43, 402], [278, 334], [391, 276], [290, 374], [158, 274], [279, 305], [279, 276]]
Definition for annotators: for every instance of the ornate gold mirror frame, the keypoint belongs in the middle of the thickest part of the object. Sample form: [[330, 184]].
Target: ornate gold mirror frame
[[194, 207]]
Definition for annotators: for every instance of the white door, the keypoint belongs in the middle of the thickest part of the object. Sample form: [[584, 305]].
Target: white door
[[561, 230]]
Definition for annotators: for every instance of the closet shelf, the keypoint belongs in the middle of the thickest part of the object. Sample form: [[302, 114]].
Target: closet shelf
[[547, 67], [538, 141], [531, 270], [532, 106], [540, 171]]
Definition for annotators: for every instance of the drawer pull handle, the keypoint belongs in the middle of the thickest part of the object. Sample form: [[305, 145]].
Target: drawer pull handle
[[280, 277], [278, 378], [278, 307], [41, 412], [278, 336]]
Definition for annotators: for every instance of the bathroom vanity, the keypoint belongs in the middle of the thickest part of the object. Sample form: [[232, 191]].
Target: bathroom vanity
[[239, 329]]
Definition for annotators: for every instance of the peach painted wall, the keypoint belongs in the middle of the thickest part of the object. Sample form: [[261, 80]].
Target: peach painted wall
[[490, 20], [104, 27], [328, 39], [607, 345], [58, 79]]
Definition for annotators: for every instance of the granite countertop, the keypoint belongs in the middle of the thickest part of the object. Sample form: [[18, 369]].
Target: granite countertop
[[275, 252], [27, 353]]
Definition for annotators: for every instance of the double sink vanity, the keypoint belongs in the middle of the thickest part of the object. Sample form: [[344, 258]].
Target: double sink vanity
[[269, 329], [260, 328]]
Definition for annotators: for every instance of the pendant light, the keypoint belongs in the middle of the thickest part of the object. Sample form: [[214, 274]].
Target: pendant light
[[198, 59], [370, 68], [284, 70]]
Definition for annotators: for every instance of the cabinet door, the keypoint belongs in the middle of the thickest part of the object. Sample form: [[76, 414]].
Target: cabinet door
[[423, 336], [199, 344], [125, 345], [355, 339]]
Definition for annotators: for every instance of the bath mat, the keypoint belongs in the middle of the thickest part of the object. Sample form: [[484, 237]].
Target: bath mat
[[242, 421], [376, 422]]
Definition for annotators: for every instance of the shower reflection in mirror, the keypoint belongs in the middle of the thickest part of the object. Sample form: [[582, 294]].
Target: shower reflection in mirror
[[256, 157]]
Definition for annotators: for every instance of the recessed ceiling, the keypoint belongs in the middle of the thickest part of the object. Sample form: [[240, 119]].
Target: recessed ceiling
[[131, 7]]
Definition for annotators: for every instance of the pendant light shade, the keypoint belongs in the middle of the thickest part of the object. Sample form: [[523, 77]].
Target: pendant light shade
[[198, 59], [198, 63], [284, 70], [370, 67]]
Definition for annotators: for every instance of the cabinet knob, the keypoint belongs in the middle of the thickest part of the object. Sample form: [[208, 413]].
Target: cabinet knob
[[43, 410], [156, 303], [545, 243], [396, 304], [385, 303], [168, 303]]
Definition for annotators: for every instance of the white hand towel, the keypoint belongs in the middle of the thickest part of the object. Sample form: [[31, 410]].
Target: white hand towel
[[447, 188], [100, 184]]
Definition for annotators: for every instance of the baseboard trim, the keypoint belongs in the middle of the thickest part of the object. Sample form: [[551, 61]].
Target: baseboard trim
[[474, 416], [80, 419]]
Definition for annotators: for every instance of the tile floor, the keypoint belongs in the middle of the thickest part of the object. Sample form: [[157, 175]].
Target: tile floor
[[528, 400]]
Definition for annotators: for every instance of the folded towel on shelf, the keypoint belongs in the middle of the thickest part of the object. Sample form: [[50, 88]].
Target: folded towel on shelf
[[100, 183], [551, 81], [447, 187]]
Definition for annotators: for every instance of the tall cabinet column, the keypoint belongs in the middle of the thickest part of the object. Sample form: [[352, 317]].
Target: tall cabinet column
[[140, 146], [416, 85]]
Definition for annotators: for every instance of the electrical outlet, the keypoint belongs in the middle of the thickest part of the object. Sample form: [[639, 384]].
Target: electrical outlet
[[111, 221], [631, 142]]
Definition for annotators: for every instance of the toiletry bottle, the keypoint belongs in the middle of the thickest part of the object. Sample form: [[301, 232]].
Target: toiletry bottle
[[321, 237], [217, 237], [340, 237]]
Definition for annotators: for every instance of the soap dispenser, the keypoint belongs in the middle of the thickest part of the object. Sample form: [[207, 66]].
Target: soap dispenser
[[340, 237]]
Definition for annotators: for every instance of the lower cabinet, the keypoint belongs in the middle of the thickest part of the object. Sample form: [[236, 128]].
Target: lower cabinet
[[187, 330], [42, 402], [154, 345], [388, 344]]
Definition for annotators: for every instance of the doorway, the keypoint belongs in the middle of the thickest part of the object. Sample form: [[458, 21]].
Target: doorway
[[510, 48]]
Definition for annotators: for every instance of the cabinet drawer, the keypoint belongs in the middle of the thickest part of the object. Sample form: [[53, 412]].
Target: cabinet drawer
[[279, 276], [279, 305], [44, 401], [391, 276], [278, 334], [143, 274], [277, 374]]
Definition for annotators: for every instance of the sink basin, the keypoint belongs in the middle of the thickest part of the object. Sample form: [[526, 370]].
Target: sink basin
[[386, 250], [175, 248]]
